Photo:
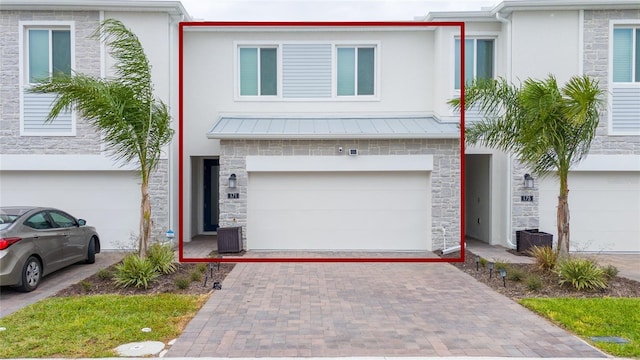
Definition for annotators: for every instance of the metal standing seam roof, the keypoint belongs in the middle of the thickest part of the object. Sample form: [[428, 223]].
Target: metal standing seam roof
[[417, 127]]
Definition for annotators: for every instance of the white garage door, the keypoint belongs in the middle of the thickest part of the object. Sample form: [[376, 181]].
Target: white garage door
[[108, 200], [604, 209], [339, 211]]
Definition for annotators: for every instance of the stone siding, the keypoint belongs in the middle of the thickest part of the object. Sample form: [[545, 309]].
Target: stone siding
[[87, 61], [445, 177], [524, 214], [596, 65]]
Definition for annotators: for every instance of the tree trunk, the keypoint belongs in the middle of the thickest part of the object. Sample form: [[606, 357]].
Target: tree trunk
[[563, 224], [145, 220]]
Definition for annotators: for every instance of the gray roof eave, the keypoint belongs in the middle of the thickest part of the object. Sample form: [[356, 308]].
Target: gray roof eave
[[174, 8], [237, 136]]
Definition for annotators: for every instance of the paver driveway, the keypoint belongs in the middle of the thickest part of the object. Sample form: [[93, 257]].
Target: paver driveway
[[366, 309]]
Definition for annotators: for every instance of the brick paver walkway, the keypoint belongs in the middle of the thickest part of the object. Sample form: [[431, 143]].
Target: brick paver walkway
[[366, 309]]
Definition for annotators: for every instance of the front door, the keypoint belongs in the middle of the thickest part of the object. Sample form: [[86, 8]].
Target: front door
[[210, 203]]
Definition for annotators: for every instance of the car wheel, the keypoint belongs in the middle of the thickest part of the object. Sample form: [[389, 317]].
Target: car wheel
[[31, 274], [91, 253]]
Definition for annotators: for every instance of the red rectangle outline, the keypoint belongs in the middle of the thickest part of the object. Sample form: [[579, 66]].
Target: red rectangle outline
[[181, 28]]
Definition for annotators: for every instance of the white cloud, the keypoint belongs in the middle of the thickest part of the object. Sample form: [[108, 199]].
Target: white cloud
[[324, 10]]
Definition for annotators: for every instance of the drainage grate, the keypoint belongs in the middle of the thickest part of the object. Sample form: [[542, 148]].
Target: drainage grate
[[610, 339]]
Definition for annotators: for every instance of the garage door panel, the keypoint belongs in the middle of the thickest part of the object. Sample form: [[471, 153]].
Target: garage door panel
[[343, 199], [109, 201], [604, 210], [338, 211]]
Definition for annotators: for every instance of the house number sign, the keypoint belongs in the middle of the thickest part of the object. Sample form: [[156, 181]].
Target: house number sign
[[233, 196], [526, 198]]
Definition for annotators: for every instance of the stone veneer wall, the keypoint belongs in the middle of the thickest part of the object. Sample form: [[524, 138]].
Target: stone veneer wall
[[596, 65], [445, 177], [87, 61], [524, 214], [87, 140]]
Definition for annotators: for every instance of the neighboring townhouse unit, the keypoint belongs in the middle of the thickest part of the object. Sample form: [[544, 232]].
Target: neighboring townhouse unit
[[63, 163], [564, 38]]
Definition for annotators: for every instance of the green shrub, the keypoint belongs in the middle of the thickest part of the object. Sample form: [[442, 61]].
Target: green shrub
[[104, 274], [610, 271], [515, 274], [86, 285], [533, 283], [162, 257], [182, 282], [135, 271], [483, 262], [196, 275], [499, 264], [546, 258], [581, 274], [201, 267]]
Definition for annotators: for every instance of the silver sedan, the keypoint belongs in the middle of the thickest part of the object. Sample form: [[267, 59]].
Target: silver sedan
[[36, 241]]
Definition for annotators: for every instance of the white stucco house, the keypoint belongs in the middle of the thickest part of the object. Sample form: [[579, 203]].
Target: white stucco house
[[333, 136]]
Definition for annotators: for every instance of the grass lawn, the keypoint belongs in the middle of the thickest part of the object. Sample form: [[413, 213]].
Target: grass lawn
[[589, 317], [92, 326]]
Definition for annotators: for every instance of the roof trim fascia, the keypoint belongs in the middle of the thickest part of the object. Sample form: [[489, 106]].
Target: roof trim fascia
[[174, 8], [330, 136], [508, 6]]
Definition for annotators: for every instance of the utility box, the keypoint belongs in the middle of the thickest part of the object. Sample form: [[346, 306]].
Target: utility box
[[525, 239], [230, 239]]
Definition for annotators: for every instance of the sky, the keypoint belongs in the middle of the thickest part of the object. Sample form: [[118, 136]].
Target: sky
[[324, 10]]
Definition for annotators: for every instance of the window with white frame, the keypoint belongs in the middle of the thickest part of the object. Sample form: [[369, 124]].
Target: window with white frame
[[49, 52], [478, 60], [46, 50], [625, 80], [258, 71], [355, 73], [626, 54]]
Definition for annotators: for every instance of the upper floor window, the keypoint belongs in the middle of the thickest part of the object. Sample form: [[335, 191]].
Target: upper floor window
[[49, 52], [626, 54], [355, 71], [478, 60], [258, 71], [47, 48]]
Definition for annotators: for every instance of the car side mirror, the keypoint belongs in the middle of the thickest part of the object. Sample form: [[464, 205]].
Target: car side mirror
[[82, 222]]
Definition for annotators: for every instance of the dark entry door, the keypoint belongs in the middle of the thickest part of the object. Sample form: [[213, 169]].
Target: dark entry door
[[210, 203]]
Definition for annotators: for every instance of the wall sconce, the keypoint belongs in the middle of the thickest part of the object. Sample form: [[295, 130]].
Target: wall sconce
[[503, 273], [528, 181], [490, 270], [232, 181]]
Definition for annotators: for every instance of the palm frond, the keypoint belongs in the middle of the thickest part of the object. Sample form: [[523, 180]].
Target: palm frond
[[132, 66]]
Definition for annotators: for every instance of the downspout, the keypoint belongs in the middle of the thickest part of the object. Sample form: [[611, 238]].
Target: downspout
[[173, 20], [508, 202]]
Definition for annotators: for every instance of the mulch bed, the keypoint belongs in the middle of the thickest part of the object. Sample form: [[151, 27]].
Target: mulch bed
[[616, 287], [97, 284]]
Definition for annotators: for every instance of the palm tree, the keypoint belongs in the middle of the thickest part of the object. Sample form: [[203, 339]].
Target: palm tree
[[547, 128], [134, 124]]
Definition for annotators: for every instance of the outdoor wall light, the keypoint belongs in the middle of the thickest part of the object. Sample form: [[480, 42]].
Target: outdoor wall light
[[528, 181], [477, 262], [490, 270], [503, 273], [232, 181]]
